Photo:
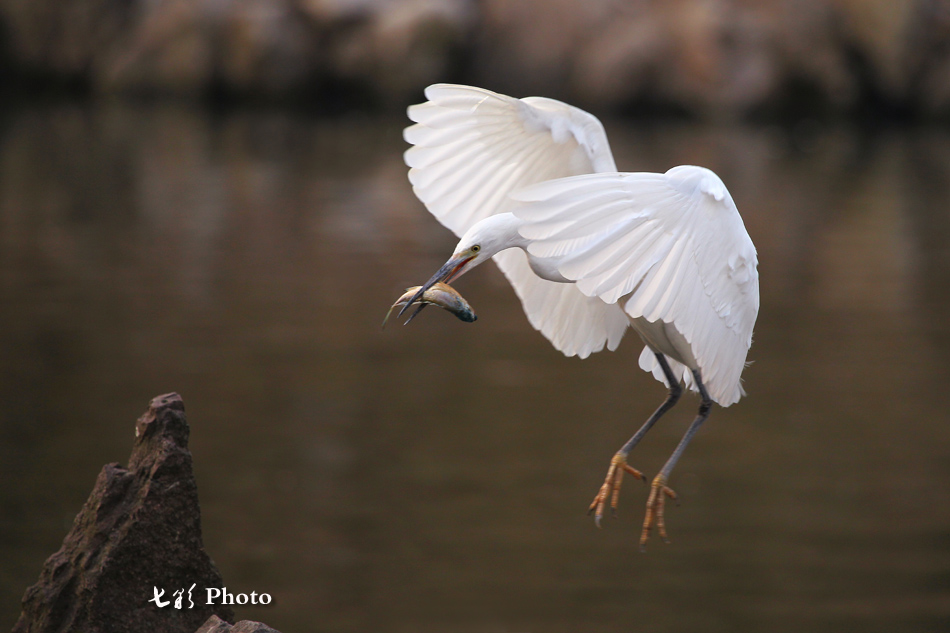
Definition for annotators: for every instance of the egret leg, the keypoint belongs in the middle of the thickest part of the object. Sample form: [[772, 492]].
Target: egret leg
[[659, 490], [618, 464]]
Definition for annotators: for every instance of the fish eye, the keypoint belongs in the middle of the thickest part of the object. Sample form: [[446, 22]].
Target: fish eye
[[476, 248]]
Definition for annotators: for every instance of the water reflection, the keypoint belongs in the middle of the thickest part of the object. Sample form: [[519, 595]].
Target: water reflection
[[435, 477]]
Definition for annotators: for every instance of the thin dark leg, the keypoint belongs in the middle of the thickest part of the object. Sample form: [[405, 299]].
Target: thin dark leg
[[704, 408], [659, 491], [675, 392], [618, 465]]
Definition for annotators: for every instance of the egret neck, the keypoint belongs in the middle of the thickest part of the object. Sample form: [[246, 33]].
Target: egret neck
[[484, 239], [498, 233]]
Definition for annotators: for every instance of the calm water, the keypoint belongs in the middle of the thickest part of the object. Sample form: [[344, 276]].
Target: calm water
[[436, 477]]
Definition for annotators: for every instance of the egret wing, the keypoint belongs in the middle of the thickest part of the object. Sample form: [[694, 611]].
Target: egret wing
[[471, 149], [576, 324], [670, 247]]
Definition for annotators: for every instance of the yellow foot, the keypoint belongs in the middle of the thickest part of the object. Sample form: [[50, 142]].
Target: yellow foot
[[611, 487], [658, 494]]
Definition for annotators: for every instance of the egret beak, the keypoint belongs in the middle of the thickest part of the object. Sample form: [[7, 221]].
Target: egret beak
[[449, 271]]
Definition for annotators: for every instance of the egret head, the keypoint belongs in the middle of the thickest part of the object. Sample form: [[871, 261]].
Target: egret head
[[479, 243]]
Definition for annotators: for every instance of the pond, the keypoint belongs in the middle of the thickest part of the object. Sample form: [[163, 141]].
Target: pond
[[436, 477]]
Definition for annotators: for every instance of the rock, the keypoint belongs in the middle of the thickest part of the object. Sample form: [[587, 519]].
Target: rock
[[258, 48], [710, 58], [139, 529], [217, 625], [167, 47], [720, 59], [395, 49]]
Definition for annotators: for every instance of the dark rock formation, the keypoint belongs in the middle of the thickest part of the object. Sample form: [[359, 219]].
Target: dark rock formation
[[139, 529], [217, 625]]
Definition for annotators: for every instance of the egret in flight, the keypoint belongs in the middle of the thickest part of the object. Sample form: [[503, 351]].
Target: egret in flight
[[590, 251]]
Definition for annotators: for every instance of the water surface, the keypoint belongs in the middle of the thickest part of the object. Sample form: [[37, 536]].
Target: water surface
[[436, 477]]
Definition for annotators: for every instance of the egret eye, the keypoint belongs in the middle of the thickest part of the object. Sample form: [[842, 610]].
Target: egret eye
[[476, 248]]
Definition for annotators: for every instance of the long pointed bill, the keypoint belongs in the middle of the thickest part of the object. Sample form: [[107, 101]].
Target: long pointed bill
[[449, 271]]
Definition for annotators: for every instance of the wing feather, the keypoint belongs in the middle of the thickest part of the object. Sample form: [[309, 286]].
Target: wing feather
[[471, 149], [576, 324], [675, 253]]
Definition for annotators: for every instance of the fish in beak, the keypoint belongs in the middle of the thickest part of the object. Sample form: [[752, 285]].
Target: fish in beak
[[449, 271], [438, 294]]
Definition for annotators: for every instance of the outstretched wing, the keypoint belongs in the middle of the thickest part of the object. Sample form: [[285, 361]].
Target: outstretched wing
[[471, 149], [671, 247]]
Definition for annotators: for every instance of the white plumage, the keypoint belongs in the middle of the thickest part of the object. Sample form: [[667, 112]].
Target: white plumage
[[472, 148], [591, 251], [667, 254]]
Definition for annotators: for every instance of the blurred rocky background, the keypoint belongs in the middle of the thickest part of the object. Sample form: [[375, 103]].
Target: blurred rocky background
[[716, 59]]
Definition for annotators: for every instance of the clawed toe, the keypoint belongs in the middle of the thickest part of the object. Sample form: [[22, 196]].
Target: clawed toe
[[611, 487], [656, 504], [655, 507]]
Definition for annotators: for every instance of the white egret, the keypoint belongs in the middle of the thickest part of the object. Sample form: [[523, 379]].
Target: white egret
[[590, 251]]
